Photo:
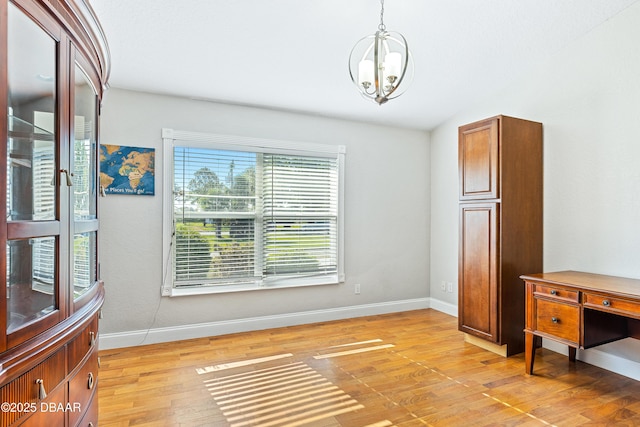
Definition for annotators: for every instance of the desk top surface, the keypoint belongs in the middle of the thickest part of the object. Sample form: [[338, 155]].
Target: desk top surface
[[589, 281]]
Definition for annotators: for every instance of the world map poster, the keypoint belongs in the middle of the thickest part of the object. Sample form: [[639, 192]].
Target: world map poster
[[127, 170]]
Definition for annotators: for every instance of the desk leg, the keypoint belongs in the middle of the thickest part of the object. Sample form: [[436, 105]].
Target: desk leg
[[572, 354], [529, 352]]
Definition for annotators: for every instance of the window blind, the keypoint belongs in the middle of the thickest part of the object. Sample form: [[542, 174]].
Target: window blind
[[84, 258], [243, 216], [44, 193], [214, 216], [300, 215]]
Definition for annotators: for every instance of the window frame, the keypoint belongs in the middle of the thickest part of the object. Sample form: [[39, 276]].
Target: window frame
[[172, 138]]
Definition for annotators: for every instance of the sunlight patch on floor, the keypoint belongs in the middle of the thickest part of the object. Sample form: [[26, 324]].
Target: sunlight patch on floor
[[285, 395], [232, 365], [356, 351], [351, 344]]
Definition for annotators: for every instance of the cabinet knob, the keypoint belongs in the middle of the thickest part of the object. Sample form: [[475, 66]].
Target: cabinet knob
[[42, 393], [554, 292], [606, 303], [90, 381], [555, 320]]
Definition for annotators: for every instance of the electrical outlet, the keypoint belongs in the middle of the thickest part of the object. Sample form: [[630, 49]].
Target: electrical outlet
[[356, 288], [449, 287], [443, 286]]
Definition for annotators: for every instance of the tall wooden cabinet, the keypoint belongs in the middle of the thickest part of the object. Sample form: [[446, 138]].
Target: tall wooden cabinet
[[53, 72], [500, 227]]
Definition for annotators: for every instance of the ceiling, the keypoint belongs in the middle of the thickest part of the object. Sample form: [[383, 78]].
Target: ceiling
[[293, 54]]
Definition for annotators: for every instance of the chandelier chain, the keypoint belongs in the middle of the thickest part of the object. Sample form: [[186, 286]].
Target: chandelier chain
[[382, 27]]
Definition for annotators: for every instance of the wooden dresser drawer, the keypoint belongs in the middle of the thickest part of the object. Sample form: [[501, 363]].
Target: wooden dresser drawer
[[25, 390], [558, 319], [557, 293], [51, 411], [612, 305], [83, 385], [90, 418], [84, 342]]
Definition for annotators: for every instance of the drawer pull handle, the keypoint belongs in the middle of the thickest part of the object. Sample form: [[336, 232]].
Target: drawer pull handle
[[606, 303], [42, 393], [554, 292], [555, 320], [92, 339], [90, 424], [90, 382]]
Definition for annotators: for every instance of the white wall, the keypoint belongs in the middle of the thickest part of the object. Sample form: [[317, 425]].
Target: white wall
[[588, 99], [386, 224]]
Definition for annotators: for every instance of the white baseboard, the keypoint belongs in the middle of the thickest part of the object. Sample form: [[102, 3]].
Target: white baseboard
[[445, 307], [201, 330], [605, 356]]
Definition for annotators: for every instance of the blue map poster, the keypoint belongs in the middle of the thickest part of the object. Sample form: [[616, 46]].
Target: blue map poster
[[127, 170]]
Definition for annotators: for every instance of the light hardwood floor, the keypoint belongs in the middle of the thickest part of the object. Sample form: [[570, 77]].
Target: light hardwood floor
[[406, 369]]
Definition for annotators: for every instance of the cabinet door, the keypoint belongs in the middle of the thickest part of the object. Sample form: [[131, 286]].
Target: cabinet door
[[34, 232], [84, 164], [478, 281], [478, 159]]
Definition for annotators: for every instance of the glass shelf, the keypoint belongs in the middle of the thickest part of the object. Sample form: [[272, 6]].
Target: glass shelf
[[19, 128]]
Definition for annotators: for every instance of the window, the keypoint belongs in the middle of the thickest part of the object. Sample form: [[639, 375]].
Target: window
[[243, 213]]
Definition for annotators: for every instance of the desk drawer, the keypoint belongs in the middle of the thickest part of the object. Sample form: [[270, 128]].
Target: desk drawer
[[557, 293], [558, 319], [612, 305]]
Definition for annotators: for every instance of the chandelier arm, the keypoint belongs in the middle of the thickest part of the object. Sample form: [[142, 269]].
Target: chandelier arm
[[369, 94]]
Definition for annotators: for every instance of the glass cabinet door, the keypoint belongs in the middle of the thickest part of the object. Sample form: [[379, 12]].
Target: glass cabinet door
[[31, 173], [84, 160]]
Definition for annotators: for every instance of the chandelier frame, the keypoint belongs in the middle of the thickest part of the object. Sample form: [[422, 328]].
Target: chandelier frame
[[377, 74]]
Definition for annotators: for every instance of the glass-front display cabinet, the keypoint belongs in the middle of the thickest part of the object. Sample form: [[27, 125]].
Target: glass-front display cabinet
[[53, 72]]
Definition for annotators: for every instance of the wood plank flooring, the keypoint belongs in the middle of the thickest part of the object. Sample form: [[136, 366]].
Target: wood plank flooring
[[406, 369]]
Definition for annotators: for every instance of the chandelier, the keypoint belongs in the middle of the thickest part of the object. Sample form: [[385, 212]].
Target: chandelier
[[380, 63]]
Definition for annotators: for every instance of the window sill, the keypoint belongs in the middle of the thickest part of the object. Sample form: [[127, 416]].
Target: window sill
[[256, 286]]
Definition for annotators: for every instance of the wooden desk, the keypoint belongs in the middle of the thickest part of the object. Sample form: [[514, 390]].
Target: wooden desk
[[581, 310]]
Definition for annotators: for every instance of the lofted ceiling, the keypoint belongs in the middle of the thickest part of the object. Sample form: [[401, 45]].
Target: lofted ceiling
[[293, 54]]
